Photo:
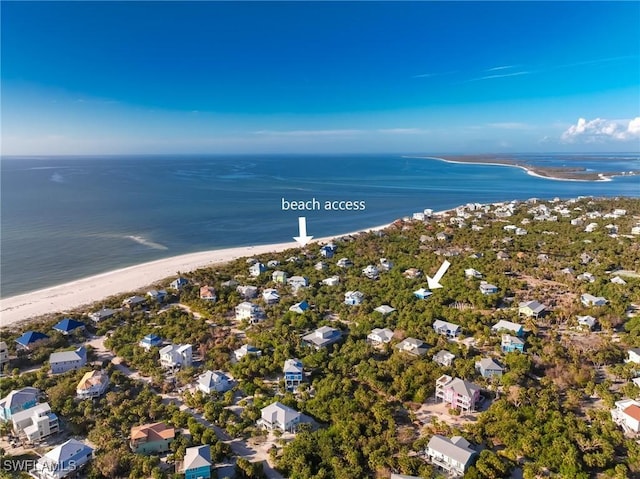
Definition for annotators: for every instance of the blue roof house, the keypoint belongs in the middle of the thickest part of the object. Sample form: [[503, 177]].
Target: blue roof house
[[150, 341], [31, 339], [67, 326]]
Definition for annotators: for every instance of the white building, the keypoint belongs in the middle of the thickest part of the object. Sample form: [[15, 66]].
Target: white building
[[63, 461], [246, 350], [379, 336], [452, 455], [214, 381], [252, 312], [64, 361], [279, 416], [627, 414], [92, 385], [176, 356], [35, 423]]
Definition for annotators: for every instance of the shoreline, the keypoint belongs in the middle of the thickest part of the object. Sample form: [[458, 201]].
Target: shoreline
[[84, 292], [530, 170]]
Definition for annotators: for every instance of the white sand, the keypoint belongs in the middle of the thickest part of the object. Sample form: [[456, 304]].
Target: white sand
[[86, 291]]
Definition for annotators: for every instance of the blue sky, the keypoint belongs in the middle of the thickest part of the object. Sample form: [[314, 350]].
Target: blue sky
[[240, 77]]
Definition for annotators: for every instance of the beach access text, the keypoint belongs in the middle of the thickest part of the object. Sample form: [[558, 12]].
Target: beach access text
[[319, 205]]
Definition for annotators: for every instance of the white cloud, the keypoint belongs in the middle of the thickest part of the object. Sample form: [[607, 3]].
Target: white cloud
[[303, 133], [504, 67], [403, 131], [509, 125], [601, 130]]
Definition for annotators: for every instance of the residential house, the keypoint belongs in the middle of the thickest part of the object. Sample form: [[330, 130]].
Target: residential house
[[384, 309], [92, 385], [293, 373], [489, 368], [521, 231], [412, 346], [279, 277], [633, 356], [300, 307], [457, 393], [371, 272], [35, 423], [256, 269], [626, 413], [31, 340], [445, 328], [196, 463], [326, 251], [591, 300], [271, 296], [385, 264], [443, 236], [179, 283], [297, 282], [588, 277], [247, 291], [444, 358], [157, 295], [150, 341], [133, 301], [64, 361], [531, 309], [412, 273], [68, 326], [504, 325], [331, 281], [229, 284], [273, 263], [487, 288], [591, 227], [511, 344], [176, 356], [63, 461], [104, 313], [208, 293], [18, 400], [472, 273], [213, 381], [422, 293], [344, 263], [320, 266], [246, 350], [618, 280], [278, 416], [323, 337], [249, 311], [4, 353], [151, 438], [587, 322], [453, 455], [378, 337], [503, 256], [353, 298]]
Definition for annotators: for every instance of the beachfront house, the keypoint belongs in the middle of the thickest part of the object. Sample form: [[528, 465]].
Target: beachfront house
[[488, 288], [213, 381], [531, 309], [446, 328], [422, 293], [4, 353], [157, 295], [511, 344], [65, 460], [64, 361], [35, 423], [279, 277], [322, 337], [92, 385], [176, 356], [151, 438], [150, 341], [246, 350], [208, 293], [101, 315], [379, 337], [179, 283], [271, 296], [513, 328], [31, 340], [247, 291], [590, 300], [626, 414], [280, 417], [133, 301], [249, 311], [444, 358], [327, 251], [256, 269], [489, 368], [453, 455], [353, 298], [18, 400], [412, 346], [196, 463], [300, 307], [293, 373], [68, 326], [457, 393]]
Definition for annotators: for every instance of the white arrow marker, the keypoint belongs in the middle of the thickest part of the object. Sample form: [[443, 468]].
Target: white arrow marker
[[303, 239], [434, 282]]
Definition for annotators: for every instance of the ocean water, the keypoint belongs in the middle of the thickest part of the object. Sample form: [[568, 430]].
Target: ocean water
[[65, 218]]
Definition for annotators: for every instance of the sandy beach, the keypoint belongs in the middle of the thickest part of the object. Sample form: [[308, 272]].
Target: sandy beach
[[86, 291]]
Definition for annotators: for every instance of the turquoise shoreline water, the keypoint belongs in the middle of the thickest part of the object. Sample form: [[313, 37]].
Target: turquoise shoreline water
[[66, 218]]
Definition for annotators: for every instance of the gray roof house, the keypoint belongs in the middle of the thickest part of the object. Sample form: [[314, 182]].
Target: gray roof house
[[323, 337], [279, 416], [489, 368], [64, 361], [379, 336], [444, 358], [452, 455], [412, 346], [445, 328]]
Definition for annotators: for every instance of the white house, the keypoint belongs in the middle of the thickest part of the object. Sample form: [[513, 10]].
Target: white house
[[472, 273], [487, 288], [256, 269], [590, 300], [504, 325], [63, 461], [279, 416], [618, 280], [104, 313], [627, 414], [92, 385], [4, 353], [446, 328], [270, 296], [379, 336], [246, 350], [633, 356], [293, 373], [176, 356], [249, 311], [344, 263], [157, 295], [353, 298], [412, 346], [588, 322], [64, 361], [35, 423], [384, 309], [323, 337], [211, 381], [444, 357], [297, 282], [247, 291], [208, 293], [331, 281], [452, 455], [371, 272]]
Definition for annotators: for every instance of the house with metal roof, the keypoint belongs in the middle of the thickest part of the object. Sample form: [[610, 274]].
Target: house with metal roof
[[453, 455], [68, 325], [279, 416], [196, 463], [18, 400], [64, 361], [63, 461], [31, 339]]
